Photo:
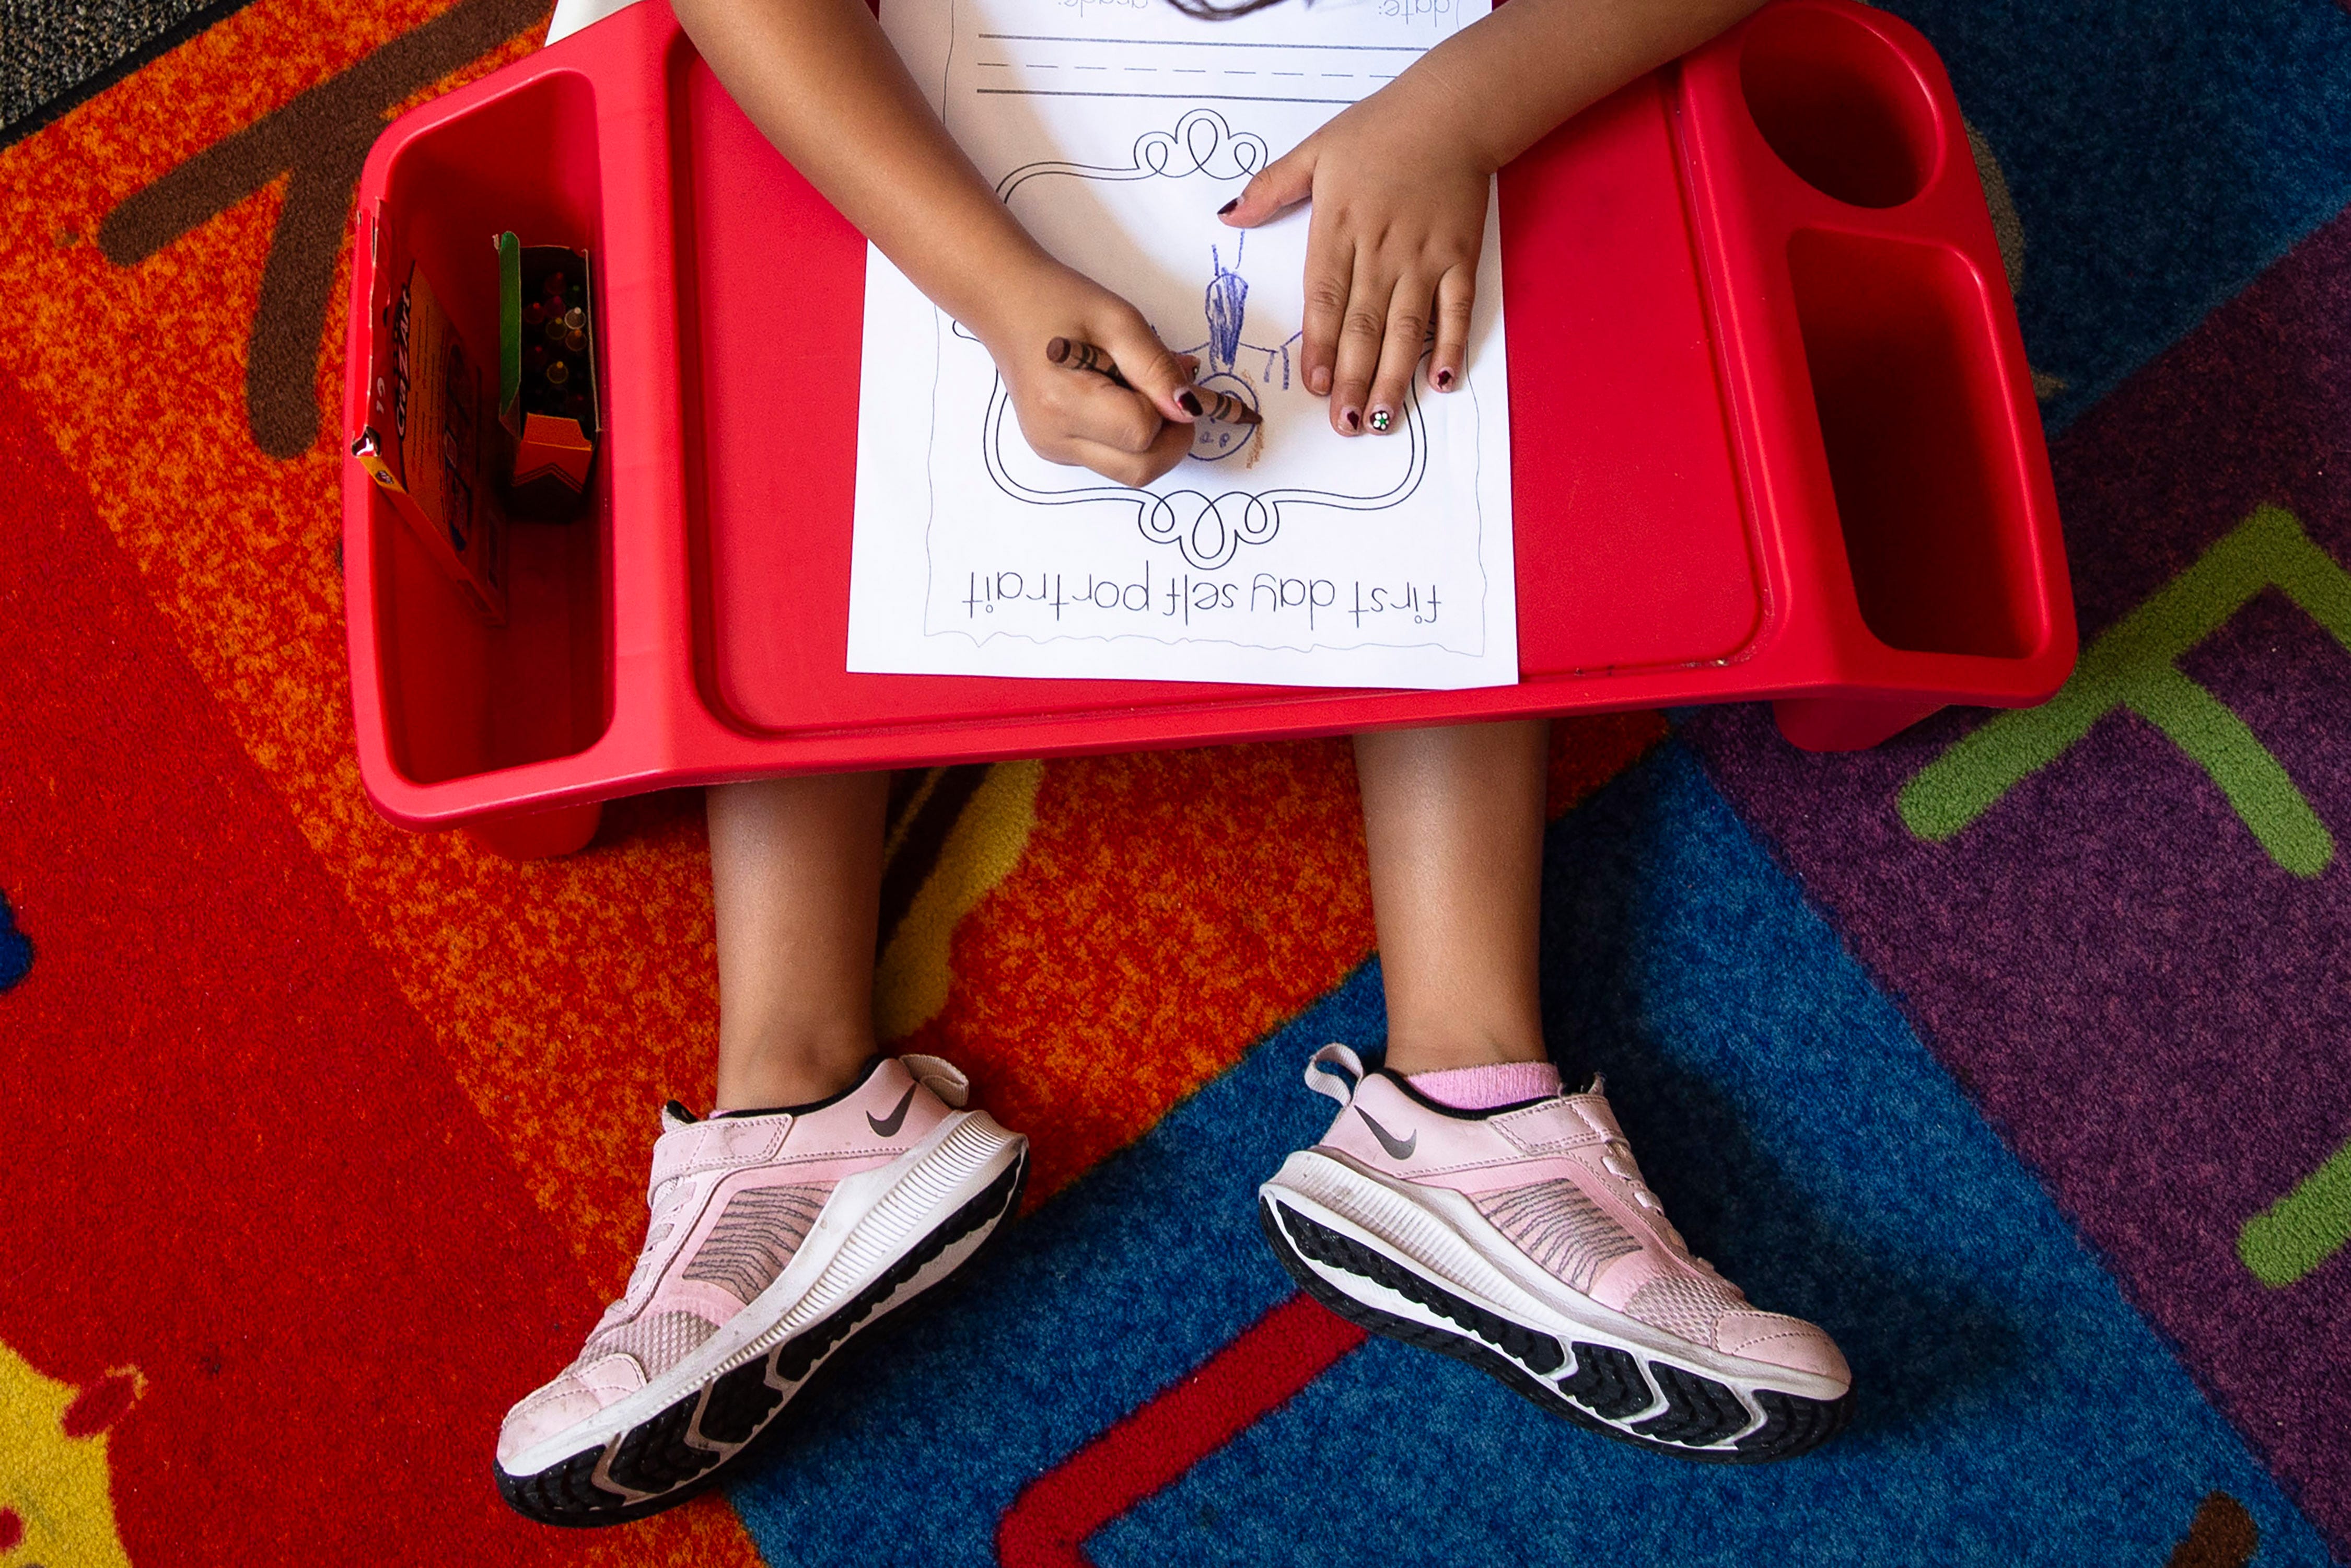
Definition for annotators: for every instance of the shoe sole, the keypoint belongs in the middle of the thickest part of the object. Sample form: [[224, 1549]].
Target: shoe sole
[[1632, 1393], [695, 1441]]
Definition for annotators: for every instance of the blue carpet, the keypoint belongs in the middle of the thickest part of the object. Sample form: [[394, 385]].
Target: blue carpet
[[1802, 1138], [2159, 157]]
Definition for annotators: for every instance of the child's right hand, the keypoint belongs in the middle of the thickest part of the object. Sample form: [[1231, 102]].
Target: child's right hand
[[1076, 416]]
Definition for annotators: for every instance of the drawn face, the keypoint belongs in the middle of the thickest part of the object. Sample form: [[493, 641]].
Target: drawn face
[[1214, 440]]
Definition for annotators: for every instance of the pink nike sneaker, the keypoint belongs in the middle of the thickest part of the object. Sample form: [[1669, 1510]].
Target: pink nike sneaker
[[773, 1238], [1522, 1240]]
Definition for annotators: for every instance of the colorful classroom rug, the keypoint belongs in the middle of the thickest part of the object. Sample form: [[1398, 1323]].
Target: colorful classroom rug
[[2017, 1052]]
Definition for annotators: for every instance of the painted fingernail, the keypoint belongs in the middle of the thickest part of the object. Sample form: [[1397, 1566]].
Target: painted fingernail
[[1443, 381], [1228, 206], [1189, 402], [1318, 382], [1380, 418], [1354, 420]]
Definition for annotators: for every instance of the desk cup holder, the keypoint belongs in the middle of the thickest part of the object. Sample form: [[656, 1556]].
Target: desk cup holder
[[1840, 106]]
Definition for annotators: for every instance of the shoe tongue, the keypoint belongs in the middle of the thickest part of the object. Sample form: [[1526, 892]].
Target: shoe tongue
[[1597, 1113]]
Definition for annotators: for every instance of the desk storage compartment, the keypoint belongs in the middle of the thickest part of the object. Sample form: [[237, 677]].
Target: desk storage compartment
[[461, 697], [1886, 417], [1897, 341], [1898, 347]]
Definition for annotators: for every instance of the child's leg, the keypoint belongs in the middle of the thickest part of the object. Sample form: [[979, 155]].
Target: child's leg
[[833, 1185], [1466, 1200], [796, 875], [1454, 821]]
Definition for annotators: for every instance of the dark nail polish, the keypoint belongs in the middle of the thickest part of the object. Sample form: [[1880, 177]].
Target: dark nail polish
[[1188, 403], [1228, 206], [1354, 420], [1380, 418], [1444, 380]]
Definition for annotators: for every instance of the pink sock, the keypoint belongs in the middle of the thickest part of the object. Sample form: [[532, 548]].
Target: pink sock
[[1479, 1088]]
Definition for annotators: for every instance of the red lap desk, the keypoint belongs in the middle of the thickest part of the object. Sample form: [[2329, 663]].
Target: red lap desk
[[1773, 431]]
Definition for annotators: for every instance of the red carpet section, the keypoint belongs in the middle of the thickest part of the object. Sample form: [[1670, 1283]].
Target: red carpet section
[[250, 1208]]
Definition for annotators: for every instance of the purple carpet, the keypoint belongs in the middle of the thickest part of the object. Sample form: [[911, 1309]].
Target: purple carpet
[[2137, 958]]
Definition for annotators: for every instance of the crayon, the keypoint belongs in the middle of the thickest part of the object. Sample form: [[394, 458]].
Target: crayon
[[1080, 355], [1230, 410]]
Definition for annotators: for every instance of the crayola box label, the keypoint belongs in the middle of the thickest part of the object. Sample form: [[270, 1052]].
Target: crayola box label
[[424, 445]]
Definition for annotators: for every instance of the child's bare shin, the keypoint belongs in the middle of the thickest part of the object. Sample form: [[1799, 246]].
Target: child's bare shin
[[796, 875], [1454, 823]]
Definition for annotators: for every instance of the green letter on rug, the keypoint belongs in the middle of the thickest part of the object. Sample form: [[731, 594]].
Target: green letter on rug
[[2135, 666], [2301, 1229]]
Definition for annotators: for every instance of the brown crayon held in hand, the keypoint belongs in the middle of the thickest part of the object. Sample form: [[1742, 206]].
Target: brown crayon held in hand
[[1230, 410], [1077, 354]]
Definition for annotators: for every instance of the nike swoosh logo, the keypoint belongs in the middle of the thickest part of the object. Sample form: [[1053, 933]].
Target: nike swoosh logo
[[1397, 1148], [887, 1127]]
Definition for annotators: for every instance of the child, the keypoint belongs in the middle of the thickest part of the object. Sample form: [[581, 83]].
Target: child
[[1463, 1200]]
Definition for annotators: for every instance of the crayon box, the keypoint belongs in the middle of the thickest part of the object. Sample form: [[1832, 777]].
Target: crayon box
[[423, 443], [547, 379]]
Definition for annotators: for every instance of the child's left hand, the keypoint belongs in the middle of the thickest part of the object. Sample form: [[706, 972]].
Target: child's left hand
[[1399, 218]]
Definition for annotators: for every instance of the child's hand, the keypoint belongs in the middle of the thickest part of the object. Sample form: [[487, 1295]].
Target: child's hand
[[1130, 437], [1399, 218]]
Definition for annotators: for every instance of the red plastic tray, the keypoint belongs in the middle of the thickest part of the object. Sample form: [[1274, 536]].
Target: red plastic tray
[[1772, 436]]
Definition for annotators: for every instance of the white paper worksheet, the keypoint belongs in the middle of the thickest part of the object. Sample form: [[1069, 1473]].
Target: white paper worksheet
[[1283, 553]]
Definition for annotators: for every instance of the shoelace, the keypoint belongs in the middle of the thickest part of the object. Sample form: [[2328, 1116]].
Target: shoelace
[[1616, 1159]]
